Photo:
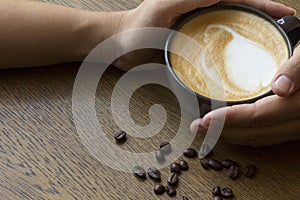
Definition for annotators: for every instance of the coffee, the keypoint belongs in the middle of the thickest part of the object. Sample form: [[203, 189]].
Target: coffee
[[175, 167], [242, 49], [215, 165], [154, 173], [233, 172], [250, 171], [216, 191], [190, 153], [159, 189], [183, 165]]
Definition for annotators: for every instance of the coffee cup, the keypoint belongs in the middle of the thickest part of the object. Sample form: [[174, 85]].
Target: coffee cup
[[232, 54]]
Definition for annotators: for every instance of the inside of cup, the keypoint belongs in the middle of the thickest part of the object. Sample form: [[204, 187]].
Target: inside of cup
[[242, 46]]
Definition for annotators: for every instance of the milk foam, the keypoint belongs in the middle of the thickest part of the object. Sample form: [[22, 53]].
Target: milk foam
[[248, 65]]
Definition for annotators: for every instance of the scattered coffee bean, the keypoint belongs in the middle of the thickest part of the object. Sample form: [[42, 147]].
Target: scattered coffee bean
[[174, 167], [165, 147], [218, 198], [250, 171], [233, 172], [154, 173], [171, 191], [173, 179], [226, 192], [215, 165], [139, 172], [228, 163], [184, 198], [120, 137], [190, 153], [159, 189], [160, 157], [204, 164], [205, 151], [216, 191], [183, 165]]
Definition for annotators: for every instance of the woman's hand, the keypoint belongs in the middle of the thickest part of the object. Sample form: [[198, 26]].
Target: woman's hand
[[164, 13], [274, 119]]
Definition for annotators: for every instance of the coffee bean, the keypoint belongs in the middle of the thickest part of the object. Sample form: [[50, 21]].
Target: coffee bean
[[120, 137], [173, 179], [160, 157], [154, 173], [165, 147], [233, 172], [250, 171], [228, 163], [174, 167], [139, 172], [216, 191], [218, 198], [184, 198], [159, 189], [226, 192], [183, 165], [190, 153], [204, 164], [171, 191], [215, 165], [205, 151]]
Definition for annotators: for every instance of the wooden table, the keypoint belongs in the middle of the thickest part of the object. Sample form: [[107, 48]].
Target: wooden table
[[42, 157]]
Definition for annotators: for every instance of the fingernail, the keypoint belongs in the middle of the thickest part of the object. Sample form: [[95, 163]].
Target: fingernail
[[294, 11], [284, 84], [197, 127], [206, 121]]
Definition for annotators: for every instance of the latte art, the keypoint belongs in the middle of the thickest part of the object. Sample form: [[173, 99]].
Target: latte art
[[240, 55], [248, 65]]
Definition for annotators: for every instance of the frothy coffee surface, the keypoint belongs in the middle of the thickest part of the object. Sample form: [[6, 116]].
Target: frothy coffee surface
[[241, 49]]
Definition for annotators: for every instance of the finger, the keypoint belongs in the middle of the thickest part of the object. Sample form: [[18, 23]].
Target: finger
[[286, 81], [183, 6], [265, 112], [266, 136], [274, 9]]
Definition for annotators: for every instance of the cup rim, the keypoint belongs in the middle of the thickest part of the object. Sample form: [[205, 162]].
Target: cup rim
[[189, 16]]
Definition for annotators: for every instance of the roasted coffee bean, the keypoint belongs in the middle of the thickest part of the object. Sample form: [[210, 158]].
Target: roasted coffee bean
[[216, 191], [215, 165], [205, 151], [173, 179], [120, 137], [165, 147], [226, 192], [139, 172], [190, 153], [154, 173], [218, 198], [171, 191], [174, 167], [250, 171], [233, 172], [184, 198], [183, 165], [228, 163], [160, 157], [159, 189], [204, 164]]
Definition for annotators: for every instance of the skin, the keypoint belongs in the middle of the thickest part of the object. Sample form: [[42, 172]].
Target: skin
[[36, 34], [271, 120]]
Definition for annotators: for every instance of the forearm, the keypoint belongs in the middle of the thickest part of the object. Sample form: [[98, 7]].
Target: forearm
[[34, 33]]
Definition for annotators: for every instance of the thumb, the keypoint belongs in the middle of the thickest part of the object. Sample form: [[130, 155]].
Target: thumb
[[287, 80]]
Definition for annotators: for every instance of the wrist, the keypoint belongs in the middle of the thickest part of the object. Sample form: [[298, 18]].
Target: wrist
[[92, 28]]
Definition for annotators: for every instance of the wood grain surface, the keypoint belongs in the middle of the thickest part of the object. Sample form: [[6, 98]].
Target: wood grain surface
[[42, 156]]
